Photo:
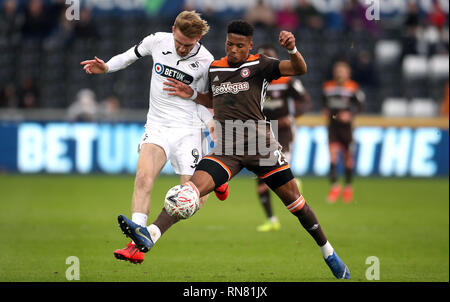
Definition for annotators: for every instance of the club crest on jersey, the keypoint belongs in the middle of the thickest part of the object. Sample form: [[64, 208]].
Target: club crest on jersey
[[245, 72], [195, 65], [170, 72]]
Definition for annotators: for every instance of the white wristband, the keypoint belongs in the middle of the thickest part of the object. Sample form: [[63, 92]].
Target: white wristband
[[293, 51], [194, 96]]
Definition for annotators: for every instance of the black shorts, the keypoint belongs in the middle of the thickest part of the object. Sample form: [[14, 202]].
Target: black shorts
[[274, 170], [341, 133]]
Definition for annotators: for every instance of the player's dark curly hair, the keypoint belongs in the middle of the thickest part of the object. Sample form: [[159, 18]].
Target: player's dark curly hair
[[240, 27]]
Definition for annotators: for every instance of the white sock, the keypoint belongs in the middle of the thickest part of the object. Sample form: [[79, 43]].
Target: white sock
[[273, 219], [154, 231], [327, 250], [139, 218]]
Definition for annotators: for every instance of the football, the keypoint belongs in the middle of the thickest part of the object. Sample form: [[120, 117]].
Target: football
[[181, 202]]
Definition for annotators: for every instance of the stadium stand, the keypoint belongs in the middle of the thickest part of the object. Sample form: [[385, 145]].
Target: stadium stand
[[391, 61]]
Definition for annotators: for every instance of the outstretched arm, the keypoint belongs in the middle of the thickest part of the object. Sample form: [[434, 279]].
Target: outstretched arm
[[118, 62], [296, 65]]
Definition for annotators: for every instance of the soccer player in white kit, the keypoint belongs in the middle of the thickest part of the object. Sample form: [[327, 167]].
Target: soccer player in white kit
[[173, 130]]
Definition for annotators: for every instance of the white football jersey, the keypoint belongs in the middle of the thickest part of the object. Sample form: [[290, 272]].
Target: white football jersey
[[168, 110]]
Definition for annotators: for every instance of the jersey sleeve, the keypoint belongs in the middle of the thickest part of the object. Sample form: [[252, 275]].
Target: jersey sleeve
[[123, 60], [270, 68], [146, 46]]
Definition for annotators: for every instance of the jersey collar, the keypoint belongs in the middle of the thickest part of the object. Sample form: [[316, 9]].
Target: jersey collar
[[192, 54]]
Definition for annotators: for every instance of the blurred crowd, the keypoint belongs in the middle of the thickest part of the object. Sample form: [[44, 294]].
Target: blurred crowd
[[41, 27], [35, 26], [424, 32], [41, 21]]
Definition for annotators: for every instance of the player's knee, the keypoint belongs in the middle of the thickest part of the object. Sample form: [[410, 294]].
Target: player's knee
[[143, 181], [214, 173], [290, 195], [203, 182]]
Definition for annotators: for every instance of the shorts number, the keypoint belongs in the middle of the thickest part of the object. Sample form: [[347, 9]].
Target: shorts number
[[278, 154]]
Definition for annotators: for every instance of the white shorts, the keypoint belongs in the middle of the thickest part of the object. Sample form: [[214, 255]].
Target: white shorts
[[183, 147]]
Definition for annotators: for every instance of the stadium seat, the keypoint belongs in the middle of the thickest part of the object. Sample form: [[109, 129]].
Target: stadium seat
[[395, 107], [415, 67], [387, 51], [439, 67], [107, 25], [422, 107]]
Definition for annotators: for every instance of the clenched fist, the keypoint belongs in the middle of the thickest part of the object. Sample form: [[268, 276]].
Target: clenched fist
[[287, 40]]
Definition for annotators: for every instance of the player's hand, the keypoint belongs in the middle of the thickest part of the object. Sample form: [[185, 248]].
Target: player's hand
[[212, 129], [96, 66], [178, 88], [287, 40]]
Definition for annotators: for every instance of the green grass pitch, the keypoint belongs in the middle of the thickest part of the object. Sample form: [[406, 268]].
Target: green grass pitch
[[45, 219]]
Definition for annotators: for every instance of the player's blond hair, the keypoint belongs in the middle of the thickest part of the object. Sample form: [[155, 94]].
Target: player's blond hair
[[191, 24]]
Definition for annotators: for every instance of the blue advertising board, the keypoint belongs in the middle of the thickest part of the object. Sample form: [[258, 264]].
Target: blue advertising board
[[111, 148]]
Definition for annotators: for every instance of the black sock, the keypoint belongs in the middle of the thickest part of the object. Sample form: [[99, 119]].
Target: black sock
[[333, 174], [264, 198], [348, 175], [309, 221]]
